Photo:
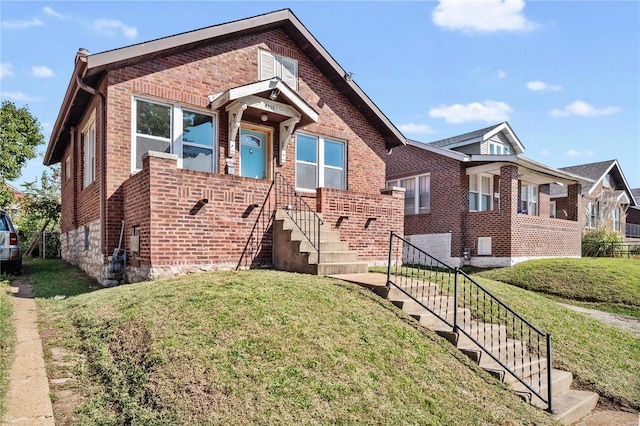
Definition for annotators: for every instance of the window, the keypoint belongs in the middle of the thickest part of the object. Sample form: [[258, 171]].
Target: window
[[591, 215], [480, 188], [552, 209], [172, 128], [272, 65], [498, 149], [484, 245], [412, 204], [86, 238], [320, 162], [67, 168], [616, 219], [89, 148], [528, 199]]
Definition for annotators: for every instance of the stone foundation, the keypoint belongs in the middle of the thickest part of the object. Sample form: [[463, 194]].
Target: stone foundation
[[82, 249]]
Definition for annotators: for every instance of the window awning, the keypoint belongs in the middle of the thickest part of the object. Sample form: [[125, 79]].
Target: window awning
[[272, 97]]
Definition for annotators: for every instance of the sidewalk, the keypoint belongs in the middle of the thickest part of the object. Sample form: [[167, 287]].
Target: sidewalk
[[28, 401]]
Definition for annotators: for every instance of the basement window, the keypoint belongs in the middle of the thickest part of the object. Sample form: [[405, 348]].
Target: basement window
[[484, 245]]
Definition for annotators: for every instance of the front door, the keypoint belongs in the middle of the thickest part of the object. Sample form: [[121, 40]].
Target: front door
[[253, 153]]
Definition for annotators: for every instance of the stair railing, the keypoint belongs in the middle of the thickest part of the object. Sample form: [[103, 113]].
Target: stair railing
[[300, 212], [511, 341]]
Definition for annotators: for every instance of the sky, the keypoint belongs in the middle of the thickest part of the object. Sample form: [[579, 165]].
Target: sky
[[564, 74]]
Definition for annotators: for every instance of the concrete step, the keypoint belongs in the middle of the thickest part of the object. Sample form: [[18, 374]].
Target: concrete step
[[333, 257], [560, 383], [282, 214], [437, 304], [524, 367], [428, 319], [504, 349], [573, 405], [342, 268], [416, 290], [305, 246], [484, 333], [298, 235]]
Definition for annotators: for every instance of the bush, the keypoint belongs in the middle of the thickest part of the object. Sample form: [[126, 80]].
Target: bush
[[600, 242]]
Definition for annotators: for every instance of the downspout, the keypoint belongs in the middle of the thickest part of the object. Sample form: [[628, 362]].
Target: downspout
[[103, 155]]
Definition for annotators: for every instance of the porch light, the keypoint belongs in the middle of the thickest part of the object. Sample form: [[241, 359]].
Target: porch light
[[274, 94], [264, 116]]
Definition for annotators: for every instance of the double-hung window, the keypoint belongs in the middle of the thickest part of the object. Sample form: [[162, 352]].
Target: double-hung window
[[528, 199], [591, 214], [417, 196], [89, 159], [320, 162], [480, 189], [171, 128], [273, 65], [616, 218], [498, 149], [553, 209]]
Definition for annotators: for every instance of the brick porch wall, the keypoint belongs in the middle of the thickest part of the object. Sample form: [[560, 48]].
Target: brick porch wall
[[370, 219]]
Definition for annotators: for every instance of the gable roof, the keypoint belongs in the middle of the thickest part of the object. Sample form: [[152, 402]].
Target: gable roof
[[480, 136], [596, 173], [89, 70]]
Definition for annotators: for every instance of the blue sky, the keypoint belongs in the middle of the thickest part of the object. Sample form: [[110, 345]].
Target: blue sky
[[564, 74]]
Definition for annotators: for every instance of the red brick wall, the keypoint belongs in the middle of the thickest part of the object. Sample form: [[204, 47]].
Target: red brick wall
[[449, 192], [540, 236], [370, 219], [188, 78]]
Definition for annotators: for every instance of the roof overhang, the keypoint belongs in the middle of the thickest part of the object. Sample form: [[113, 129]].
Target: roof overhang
[[528, 170], [508, 132], [440, 151]]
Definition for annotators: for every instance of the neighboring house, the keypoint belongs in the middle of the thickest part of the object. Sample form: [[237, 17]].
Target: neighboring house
[[14, 209], [633, 217], [605, 201], [178, 141], [475, 194]]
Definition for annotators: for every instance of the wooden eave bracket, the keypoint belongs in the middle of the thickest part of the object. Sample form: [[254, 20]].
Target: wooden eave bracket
[[287, 128], [235, 111]]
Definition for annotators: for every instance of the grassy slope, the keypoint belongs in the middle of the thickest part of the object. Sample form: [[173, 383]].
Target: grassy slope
[[266, 347], [7, 334], [608, 284]]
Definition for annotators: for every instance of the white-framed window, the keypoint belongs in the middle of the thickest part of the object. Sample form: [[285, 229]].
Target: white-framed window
[[67, 167], [552, 210], [591, 214], [417, 196], [272, 65], [496, 148], [528, 199], [320, 163], [89, 157], [480, 192], [165, 127], [616, 218], [484, 245]]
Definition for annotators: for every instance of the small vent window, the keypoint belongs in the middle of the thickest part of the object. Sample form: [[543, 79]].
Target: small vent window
[[273, 65]]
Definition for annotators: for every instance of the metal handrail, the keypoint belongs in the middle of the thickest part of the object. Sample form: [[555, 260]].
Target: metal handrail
[[510, 340], [300, 212]]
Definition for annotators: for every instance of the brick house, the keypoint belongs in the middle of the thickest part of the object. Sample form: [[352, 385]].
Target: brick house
[[606, 201], [633, 217], [190, 143], [477, 193]]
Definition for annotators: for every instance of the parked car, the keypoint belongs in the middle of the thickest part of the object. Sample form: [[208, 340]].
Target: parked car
[[10, 249]]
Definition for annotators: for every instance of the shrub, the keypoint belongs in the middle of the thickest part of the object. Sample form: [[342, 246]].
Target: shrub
[[600, 242]]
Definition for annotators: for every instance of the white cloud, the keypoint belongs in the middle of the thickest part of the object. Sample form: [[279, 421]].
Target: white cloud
[[41, 71], [415, 128], [489, 111], [576, 153], [6, 69], [111, 27], [22, 24], [482, 16], [49, 11], [539, 86], [18, 96], [501, 74], [583, 109]]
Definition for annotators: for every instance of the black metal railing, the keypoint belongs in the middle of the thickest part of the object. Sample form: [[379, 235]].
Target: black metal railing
[[632, 230], [258, 247], [300, 212], [611, 249], [478, 317]]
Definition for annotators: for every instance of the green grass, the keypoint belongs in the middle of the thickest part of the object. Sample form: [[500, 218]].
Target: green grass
[[7, 337], [263, 347], [609, 281]]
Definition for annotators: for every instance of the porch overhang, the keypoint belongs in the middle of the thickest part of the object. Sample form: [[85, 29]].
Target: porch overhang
[[528, 170], [261, 96]]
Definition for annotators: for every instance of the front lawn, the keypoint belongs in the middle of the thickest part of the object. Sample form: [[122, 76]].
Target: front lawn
[[7, 336]]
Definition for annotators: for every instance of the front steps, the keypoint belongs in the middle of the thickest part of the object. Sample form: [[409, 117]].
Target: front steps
[[569, 405], [293, 252]]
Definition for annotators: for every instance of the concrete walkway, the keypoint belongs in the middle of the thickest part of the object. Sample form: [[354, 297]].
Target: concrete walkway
[[28, 401]]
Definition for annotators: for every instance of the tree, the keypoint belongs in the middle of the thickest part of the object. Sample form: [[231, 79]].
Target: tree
[[20, 135]]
